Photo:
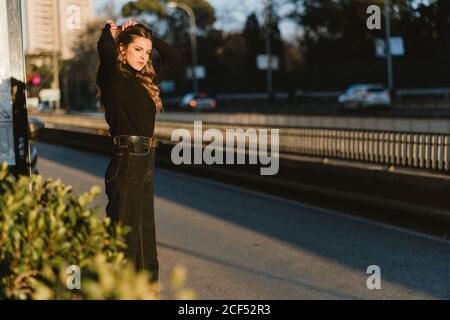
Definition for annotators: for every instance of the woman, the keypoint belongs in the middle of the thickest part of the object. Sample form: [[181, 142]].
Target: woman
[[129, 94]]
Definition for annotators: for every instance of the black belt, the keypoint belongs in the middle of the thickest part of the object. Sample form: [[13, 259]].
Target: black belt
[[126, 140]]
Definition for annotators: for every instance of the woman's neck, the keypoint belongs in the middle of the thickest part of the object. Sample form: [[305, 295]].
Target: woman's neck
[[131, 69]]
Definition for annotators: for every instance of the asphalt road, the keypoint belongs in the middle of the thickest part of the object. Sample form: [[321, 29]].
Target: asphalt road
[[239, 244]]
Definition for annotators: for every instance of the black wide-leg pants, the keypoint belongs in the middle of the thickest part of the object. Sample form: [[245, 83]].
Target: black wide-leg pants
[[129, 187]]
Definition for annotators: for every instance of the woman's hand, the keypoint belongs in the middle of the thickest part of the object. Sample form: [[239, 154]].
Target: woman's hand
[[128, 24], [113, 28]]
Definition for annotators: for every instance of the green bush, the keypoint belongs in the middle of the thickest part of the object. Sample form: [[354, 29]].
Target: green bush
[[45, 228], [102, 280]]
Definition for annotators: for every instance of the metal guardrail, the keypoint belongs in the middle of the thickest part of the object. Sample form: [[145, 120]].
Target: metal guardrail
[[427, 151], [445, 92], [413, 150]]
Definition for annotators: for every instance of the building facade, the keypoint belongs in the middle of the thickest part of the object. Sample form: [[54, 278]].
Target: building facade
[[54, 25]]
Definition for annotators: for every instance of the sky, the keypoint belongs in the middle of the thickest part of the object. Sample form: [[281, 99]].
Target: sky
[[231, 14]]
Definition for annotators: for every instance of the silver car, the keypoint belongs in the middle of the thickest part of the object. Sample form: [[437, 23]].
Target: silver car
[[364, 96], [198, 102]]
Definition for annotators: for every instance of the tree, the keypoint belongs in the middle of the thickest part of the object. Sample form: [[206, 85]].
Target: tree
[[337, 27], [231, 55], [155, 14], [254, 40], [277, 44], [334, 31], [254, 35], [36, 65]]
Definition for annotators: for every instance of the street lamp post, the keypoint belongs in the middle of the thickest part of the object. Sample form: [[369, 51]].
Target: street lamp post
[[388, 47], [267, 13], [193, 28]]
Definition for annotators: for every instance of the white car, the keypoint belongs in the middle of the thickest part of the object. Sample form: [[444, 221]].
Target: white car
[[365, 95], [200, 102]]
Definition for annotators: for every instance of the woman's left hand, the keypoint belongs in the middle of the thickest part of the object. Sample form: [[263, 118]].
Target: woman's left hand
[[128, 24]]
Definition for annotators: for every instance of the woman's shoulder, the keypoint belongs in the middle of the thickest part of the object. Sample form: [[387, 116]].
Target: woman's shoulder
[[107, 73]]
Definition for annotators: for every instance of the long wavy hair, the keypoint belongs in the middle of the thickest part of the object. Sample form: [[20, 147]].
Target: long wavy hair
[[147, 75]]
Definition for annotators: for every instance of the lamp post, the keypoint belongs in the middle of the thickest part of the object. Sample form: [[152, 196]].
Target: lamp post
[[267, 17], [14, 137], [388, 47], [193, 28]]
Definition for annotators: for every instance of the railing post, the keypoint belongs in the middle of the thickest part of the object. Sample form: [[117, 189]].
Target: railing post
[[409, 151], [391, 149], [440, 147], [433, 152], [427, 151], [377, 147], [446, 153]]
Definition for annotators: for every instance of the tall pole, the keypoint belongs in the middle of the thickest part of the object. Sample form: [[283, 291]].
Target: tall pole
[[193, 30], [15, 134], [267, 17], [55, 71], [388, 46]]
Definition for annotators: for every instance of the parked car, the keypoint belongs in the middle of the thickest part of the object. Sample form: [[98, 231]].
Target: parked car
[[45, 107], [202, 101], [365, 96]]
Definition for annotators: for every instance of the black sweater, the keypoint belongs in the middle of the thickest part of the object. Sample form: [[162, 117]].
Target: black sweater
[[129, 110]]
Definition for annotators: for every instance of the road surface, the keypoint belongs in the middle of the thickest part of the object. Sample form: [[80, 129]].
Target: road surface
[[239, 244]]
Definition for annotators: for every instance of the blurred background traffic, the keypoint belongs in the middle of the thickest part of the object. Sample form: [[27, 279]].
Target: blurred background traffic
[[254, 55]]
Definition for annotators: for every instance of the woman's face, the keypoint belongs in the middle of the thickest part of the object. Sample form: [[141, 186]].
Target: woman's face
[[137, 53]]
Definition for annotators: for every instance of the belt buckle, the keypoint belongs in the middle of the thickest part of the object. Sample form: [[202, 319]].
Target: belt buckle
[[153, 143], [116, 140]]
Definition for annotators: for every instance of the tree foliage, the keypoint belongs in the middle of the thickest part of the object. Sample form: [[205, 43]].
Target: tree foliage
[[334, 31], [45, 228]]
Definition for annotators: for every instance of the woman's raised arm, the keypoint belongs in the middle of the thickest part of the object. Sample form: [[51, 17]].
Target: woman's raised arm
[[106, 45], [170, 58]]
